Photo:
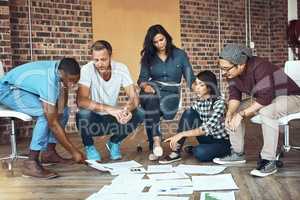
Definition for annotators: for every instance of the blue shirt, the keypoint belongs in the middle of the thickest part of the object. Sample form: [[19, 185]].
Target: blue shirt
[[40, 78], [170, 71]]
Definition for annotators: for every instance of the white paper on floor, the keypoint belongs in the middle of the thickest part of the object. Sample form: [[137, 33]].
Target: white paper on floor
[[160, 169], [214, 182], [125, 178], [198, 169], [171, 190], [171, 198], [217, 195], [117, 167], [137, 196], [167, 176]]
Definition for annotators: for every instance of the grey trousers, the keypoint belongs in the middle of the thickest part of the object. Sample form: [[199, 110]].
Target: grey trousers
[[280, 106]]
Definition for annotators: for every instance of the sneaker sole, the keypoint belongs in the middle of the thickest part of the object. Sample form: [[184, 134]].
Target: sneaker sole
[[257, 173], [169, 161], [220, 162], [46, 178]]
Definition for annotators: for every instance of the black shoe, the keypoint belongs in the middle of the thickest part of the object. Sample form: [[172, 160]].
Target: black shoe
[[172, 157], [265, 168]]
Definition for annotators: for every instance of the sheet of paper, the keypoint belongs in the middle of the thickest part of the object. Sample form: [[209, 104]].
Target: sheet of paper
[[173, 183], [214, 182], [125, 178], [117, 167], [170, 190], [138, 196], [199, 169], [160, 169], [124, 164], [120, 171], [171, 198], [217, 195], [167, 176]]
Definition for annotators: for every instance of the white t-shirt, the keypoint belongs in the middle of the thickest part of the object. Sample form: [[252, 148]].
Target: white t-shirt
[[101, 91]]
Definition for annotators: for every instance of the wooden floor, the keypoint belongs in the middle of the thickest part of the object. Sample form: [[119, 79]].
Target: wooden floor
[[80, 181]]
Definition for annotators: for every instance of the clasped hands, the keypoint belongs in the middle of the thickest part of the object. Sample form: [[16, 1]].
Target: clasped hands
[[232, 122], [123, 115]]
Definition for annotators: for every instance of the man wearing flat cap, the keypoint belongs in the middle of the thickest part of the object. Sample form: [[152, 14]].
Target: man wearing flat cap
[[273, 94]]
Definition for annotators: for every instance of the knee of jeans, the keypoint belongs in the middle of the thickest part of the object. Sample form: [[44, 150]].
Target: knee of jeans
[[82, 115], [200, 154], [139, 114], [189, 112]]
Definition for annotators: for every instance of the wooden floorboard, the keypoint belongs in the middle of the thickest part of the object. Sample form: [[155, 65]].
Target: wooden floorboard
[[80, 181]]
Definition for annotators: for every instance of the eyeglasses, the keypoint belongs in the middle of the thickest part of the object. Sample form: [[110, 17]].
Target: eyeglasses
[[227, 69]]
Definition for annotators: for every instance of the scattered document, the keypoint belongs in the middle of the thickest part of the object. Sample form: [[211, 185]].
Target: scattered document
[[160, 169], [171, 198], [167, 176], [117, 167], [170, 190], [217, 195], [198, 169], [137, 196], [173, 183], [215, 182], [125, 178]]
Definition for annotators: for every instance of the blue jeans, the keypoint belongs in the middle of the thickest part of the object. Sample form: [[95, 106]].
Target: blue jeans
[[163, 103], [29, 103], [91, 124], [208, 148]]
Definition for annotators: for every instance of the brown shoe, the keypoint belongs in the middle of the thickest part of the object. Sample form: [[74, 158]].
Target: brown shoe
[[32, 168], [48, 158]]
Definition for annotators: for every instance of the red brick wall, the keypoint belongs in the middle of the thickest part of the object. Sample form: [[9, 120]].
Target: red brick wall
[[278, 28], [5, 32], [5, 55], [59, 28]]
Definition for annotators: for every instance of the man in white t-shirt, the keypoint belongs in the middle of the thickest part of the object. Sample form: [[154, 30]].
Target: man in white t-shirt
[[99, 114]]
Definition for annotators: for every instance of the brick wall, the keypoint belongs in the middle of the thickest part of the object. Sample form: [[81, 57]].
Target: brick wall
[[63, 28], [278, 28], [60, 28], [5, 54], [5, 32]]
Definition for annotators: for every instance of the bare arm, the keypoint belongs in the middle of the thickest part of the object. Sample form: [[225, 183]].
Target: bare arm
[[251, 110], [51, 114], [133, 100], [84, 101]]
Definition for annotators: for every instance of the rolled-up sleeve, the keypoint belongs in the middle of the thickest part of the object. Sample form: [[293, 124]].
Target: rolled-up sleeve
[[214, 120], [144, 74], [188, 70], [234, 92]]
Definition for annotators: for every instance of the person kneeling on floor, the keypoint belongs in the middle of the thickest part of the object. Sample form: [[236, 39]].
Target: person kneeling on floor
[[205, 121]]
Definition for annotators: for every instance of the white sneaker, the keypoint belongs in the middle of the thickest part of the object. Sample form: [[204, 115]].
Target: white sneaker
[[152, 157], [158, 151]]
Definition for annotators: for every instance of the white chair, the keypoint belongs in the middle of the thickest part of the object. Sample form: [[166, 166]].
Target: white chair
[[292, 69], [12, 115]]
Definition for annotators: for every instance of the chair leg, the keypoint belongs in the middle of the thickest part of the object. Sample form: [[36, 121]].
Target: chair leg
[[286, 146], [14, 154]]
